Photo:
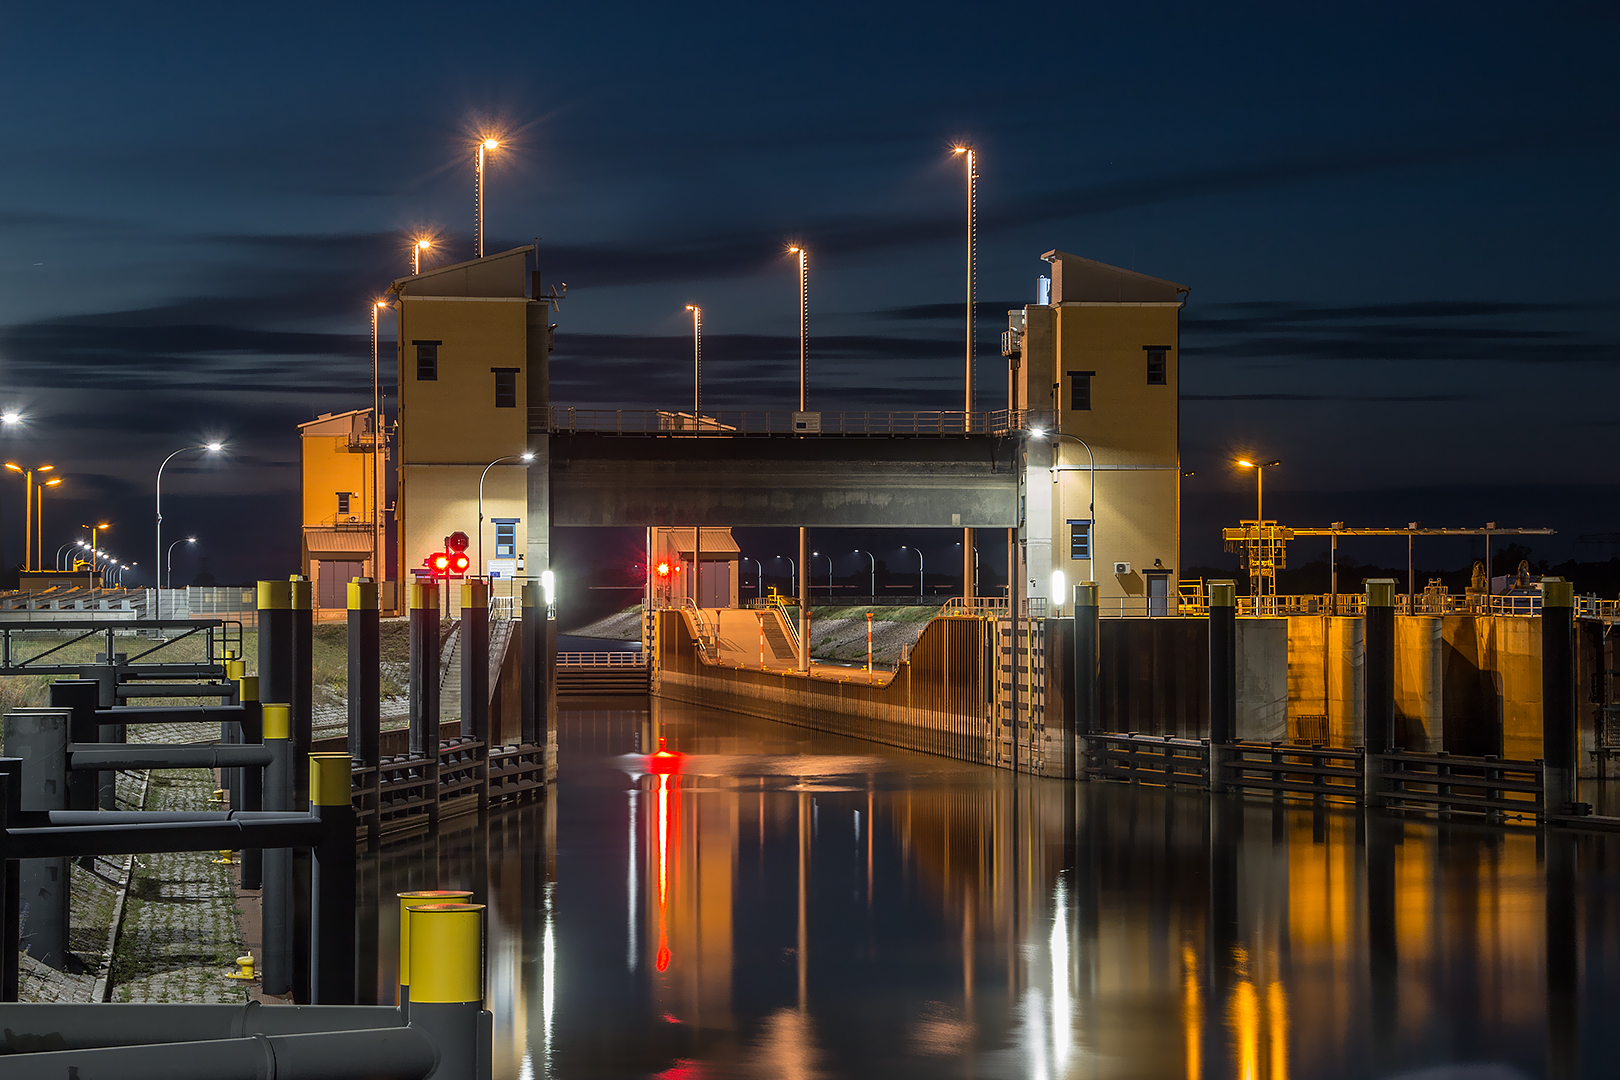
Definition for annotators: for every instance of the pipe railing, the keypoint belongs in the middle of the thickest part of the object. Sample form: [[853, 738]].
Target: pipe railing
[[562, 420]]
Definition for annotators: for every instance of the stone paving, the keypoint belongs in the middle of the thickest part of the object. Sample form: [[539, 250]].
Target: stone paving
[[180, 932]]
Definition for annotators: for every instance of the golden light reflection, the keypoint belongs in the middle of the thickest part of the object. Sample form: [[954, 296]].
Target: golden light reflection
[[1192, 1013], [661, 959]]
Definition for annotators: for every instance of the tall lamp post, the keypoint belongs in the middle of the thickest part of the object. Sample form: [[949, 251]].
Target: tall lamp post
[[526, 457], [9, 418], [168, 562], [484, 146], [869, 555], [95, 553], [804, 405], [1259, 468], [918, 552], [421, 245], [970, 158], [830, 585], [697, 361], [375, 498], [39, 521], [210, 448], [28, 508], [759, 576], [793, 574]]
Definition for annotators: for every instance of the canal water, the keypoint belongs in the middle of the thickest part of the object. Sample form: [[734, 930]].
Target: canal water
[[767, 902]]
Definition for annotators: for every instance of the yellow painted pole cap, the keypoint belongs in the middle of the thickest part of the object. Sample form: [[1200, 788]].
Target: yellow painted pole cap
[[329, 777], [274, 595], [277, 721], [447, 953], [406, 901], [362, 596], [247, 688]]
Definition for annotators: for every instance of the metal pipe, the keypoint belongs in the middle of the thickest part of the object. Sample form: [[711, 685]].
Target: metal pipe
[[50, 841], [40, 738], [400, 1053], [94, 758], [252, 730], [23, 1027], [170, 714]]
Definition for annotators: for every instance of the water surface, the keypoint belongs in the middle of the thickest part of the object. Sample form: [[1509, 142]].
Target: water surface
[[786, 904]]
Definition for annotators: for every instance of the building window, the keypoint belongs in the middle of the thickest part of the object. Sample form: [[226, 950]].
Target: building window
[[1158, 369], [343, 502], [1080, 390], [505, 387], [1080, 540], [427, 360], [505, 539]]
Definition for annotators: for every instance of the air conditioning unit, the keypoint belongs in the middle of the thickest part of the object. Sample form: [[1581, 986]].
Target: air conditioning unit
[[1122, 568]]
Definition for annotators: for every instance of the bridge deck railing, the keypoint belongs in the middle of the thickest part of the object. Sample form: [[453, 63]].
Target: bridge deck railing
[[562, 419]]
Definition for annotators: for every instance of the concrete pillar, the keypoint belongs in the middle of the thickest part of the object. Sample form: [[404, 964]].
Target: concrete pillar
[[80, 697], [1222, 674], [1378, 668], [537, 665], [804, 599], [40, 738], [1560, 737], [1087, 670]]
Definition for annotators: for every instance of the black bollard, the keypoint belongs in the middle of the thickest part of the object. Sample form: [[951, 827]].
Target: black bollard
[[1087, 670], [536, 665], [447, 986], [1378, 682], [80, 697], [332, 961], [365, 692], [1222, 676], [40, 738], [475, 673], [1560, 729], [302, 696], [424, 668], [251, 728], [275, 900], [275, 641]]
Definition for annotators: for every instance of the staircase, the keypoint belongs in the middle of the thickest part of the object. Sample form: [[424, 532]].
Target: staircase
[[776, 638]]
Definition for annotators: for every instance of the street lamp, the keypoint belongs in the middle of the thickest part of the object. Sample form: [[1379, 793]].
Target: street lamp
[[10, 417], [869, 555], [804, 405], [918, 552], [975, 568], [970, 158], [526, 457], [211, 448], [759, 576], [830, 585], [94, 553], [1259, 484], [169, 560], [1091, 458], [421, 245], [484, 146], [793, 575], [39, 522], [697, 360], [57, 562], [28, 529]]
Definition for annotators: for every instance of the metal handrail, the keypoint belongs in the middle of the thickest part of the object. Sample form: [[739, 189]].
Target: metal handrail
[[706, 639], [624, 658], [792, 624], [560, 419]]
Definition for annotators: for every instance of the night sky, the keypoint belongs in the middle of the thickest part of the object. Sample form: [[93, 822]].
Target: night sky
[[1397, 223]]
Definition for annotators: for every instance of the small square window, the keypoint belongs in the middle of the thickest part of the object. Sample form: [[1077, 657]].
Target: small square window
[[505, 539], [1080, 390], [505, 388], [343, 502], [427, 360], [1158, 365], [1080, 540]]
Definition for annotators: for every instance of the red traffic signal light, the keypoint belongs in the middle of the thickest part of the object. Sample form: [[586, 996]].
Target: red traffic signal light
[[663, 569], [459, 562], [457, 541], [439, 562]]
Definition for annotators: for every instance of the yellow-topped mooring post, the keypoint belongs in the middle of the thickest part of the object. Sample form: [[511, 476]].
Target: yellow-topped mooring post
[[1222, 676], [365, 693], [447, 986], [475, 664], [407, 900], [275, 900], [332, 882], [424, 631]]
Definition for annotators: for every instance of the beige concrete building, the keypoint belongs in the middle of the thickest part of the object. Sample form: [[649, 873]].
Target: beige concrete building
[[1102, 355], [344, 483], [472, 356]]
